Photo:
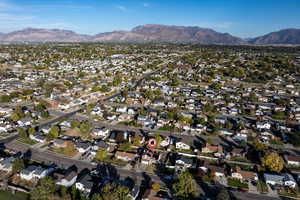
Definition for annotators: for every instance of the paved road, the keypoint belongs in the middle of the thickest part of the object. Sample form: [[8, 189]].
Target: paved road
[[48, 158], [252, 196], [9, 138], [60, 115]]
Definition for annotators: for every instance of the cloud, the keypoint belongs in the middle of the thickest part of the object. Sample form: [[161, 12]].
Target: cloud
[[55, 7], [224, 25], [122, 8], [146, 4], [6, 6], [56, 25], [217, 25]]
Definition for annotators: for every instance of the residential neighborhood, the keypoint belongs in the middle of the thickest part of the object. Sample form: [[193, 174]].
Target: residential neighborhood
[[92, 121]]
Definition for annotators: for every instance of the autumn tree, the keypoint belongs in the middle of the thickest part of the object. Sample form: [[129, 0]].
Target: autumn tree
[[259, 146], [53, 133], [44, 189], [273, 162], [185, 187], [112, 191], [156, 187], [101, 154]]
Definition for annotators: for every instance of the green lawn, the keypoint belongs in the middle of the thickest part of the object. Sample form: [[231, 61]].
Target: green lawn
[[27, 141], [232, 182], [6, 195]]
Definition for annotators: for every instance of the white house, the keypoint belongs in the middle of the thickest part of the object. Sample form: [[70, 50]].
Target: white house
[[166, 142], [182, 145], [38, 137], [68, 180], [41, 172], [27, 174], [263, 125], [121, 109], [101, 132]]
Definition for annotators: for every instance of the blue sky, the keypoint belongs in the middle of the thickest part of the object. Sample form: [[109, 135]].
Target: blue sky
[[243, 18]]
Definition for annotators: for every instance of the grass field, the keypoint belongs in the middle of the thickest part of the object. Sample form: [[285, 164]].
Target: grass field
[[6, 195]]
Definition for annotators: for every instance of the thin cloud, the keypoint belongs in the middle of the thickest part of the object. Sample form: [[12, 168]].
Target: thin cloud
[[146, 4], [7, 6], [56, 25], [13, 17], [122, 8], [217, 25]]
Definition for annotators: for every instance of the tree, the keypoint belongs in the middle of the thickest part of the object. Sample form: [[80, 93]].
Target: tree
[[136, 141], [112, 191], [63, 192], [18, 165], [259, 146], [156, 187], [15, 117], [158, 139], [44, 189], [31, 131], [22, 133], [70, 149], [75, 123], [223, 195], [273, 162], [101, 154], [86, 127], [185, 187], [45, 114], [53, 133], [5, 99]]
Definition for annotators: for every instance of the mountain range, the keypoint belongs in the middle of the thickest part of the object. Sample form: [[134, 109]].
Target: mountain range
[[152, 33]]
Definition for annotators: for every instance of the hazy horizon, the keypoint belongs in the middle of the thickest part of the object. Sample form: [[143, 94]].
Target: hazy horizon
[[239, 18]]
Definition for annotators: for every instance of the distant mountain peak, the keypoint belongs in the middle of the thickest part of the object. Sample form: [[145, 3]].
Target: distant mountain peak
[[152, 33], [284, 36]]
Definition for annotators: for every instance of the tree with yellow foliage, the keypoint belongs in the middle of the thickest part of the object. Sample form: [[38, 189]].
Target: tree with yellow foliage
[[273, 162]]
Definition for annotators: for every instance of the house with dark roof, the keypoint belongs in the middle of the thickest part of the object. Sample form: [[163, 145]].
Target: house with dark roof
[[83, 146], [85, 183], [183, 162], [67, 179], [293, 160]]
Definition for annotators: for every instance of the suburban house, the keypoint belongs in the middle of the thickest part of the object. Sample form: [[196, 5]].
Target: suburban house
[[67, 179], [263, 125], [218, 171], [293, 160], [83, 146], [101, 132], [243, 175], [125, 156], [85, 183], [283, 180], [217, 150], [184, 162], [27, 174], [59, 143], [6, 164], [100, 144], [38, 137], [37, 172], [182, 145]]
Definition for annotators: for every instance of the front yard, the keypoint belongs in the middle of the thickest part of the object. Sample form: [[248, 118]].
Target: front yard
[[233, 182]]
